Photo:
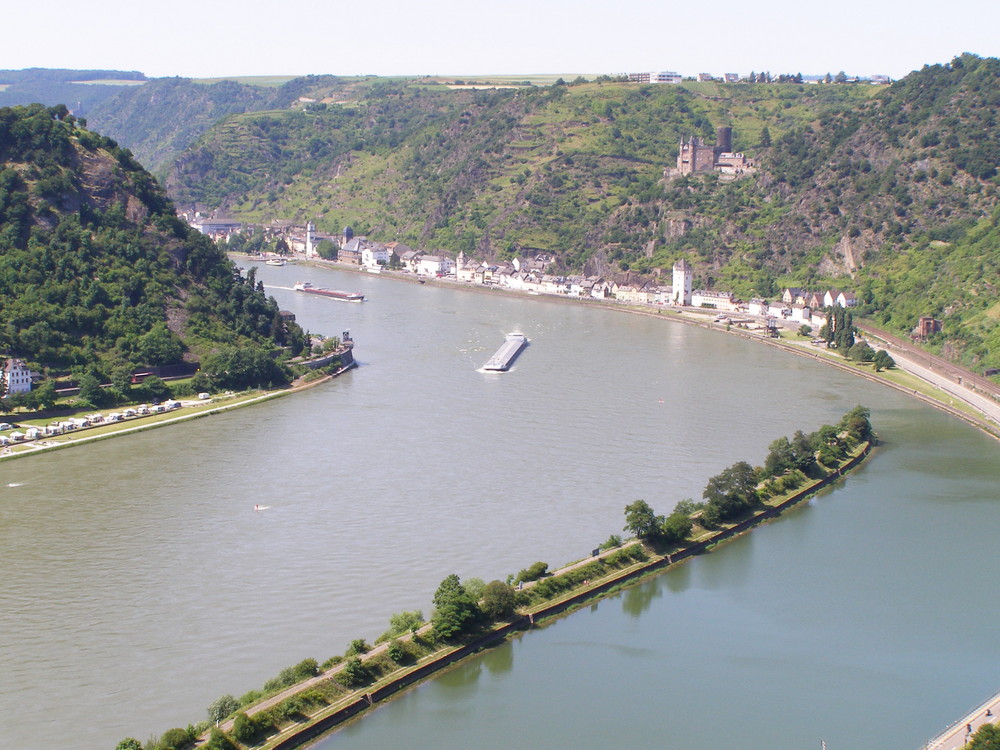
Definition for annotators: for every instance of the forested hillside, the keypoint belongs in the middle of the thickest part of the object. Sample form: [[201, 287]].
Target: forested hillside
[[887, 191], [79, 90], [97, 271]]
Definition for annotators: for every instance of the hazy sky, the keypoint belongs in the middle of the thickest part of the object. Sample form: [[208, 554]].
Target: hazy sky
[[387, 37]]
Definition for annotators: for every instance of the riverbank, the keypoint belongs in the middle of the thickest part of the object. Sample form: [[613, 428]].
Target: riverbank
[[356, 702], [979, 407], [193, 409]]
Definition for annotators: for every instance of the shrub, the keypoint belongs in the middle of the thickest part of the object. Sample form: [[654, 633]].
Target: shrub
[[245, 730], [397, 653], [612, 541], [222, 708], [354, 674], [498, 600], [357, 647], [532, 573], [219, 740], [400, 623], [290, 675], [332, 661], [177, 739]]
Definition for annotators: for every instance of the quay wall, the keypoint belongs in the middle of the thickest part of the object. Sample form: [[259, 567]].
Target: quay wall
[[323, 724]]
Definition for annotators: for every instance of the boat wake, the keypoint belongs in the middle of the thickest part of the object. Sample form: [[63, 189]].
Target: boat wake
[[259, 508], [15, 484], [273, 286]]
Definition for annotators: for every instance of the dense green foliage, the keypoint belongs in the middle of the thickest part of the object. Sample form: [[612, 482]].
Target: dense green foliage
[[136, 116], [456, 612], [564, 582], [401, 623], [987, 737], [887, 191], [741, 488], [96, 271]]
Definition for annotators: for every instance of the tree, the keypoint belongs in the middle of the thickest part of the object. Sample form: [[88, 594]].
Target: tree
[[857, 422], [804, 450], [45, 394], [121, 380], [129, 743], [221, 708], [326, 250], [861, 352], [883, 361], [732, 491], [455, 612], [987, 737], [90, 389], [780, 457], [159, 346], [765, 137], [641, 521], [498, 600], [805, 330], [675, 528], [841, 77], [355, 673], [244, 367]]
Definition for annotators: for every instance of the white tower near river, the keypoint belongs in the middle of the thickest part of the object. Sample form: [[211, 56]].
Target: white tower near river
[[680, 293], [310, 248]]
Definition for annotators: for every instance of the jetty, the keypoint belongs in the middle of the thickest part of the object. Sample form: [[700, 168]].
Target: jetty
[[507, 353]]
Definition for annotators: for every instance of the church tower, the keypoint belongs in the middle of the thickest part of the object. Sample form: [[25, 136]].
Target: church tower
[[310, 248], [680, 293]]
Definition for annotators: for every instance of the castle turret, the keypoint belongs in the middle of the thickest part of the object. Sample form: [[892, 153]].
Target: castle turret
[[724, 140]]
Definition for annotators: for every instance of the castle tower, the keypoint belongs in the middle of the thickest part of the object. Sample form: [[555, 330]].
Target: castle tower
[[680, 293], [724, 140]]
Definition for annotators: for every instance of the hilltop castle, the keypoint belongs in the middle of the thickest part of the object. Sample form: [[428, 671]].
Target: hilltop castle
[[696, 156]]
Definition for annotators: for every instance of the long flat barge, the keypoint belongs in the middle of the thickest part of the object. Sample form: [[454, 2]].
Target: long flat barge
[[507, 353], [305, 286]]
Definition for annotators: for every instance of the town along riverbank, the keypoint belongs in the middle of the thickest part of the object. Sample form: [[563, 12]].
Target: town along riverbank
[[307, 710], [961, 397]]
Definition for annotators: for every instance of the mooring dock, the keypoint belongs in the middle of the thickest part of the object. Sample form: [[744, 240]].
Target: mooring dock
[[507, 353]]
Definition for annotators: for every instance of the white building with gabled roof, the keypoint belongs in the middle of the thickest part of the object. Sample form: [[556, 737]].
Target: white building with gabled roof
[[16, 377]]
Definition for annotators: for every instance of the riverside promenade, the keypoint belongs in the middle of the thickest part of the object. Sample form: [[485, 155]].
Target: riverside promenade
[[957, 735]]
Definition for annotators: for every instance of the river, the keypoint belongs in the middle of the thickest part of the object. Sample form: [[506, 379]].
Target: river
[[139, 584]]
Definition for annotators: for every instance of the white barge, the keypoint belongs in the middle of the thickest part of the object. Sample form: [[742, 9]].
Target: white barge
[[506, 354]]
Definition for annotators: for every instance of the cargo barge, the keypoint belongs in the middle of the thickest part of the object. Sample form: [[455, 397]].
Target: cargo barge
[[308, 288], [506, 354]]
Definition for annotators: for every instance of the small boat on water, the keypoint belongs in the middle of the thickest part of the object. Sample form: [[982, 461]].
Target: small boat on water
[[513, 343], [308, 288], [274, 262]]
